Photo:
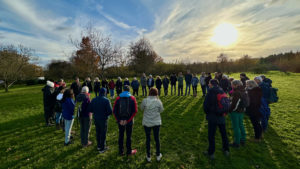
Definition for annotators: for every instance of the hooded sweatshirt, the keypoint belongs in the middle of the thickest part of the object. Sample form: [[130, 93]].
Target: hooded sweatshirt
[[132, 107], [100, 106], [152, 108]]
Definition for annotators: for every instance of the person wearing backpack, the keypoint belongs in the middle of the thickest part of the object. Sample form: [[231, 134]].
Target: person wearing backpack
[[152, 107], [101, 109], [85, 116], [124, 110], [216, 105], [239, 102]]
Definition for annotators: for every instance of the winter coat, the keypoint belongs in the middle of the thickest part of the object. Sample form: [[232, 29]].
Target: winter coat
[[265, 90], [143, 81], [89, 85], [127, 82], [119, 85], [195, 81], [85, 101], [150, 84], [135, 84], [158, 83], [173, 79], [202, 81], [188, 78], [68, 107], [152, 108], [97, 86], [255, 96], [166, 83], [104, 84], [76, 87], [237, 99], [180, 81], [100, 107], [111, 85], [48, 98]]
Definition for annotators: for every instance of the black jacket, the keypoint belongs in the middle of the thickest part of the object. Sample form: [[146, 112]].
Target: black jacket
[[97, 86], [188, 78], [49, 98], [158, 83], [89, 85], [166, 83], [255, 96], [173, 79], [76, 87], [207, 79]]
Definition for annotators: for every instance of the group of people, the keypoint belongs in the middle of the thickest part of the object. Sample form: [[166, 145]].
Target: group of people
[[249, 97]]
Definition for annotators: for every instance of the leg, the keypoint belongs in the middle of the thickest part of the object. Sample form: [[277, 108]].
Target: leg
[[256, 126], [235, 126], [172, 90], [68, 128], [148, 133], [186, 88], [121, 138], [222, 128], [156, 138], [98, 132], [128, 137], [242, 128], [211, 137], [82, 129], [103, 134]]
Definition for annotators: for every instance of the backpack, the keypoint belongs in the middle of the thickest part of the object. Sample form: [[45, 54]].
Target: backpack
[[273, 95], [124, 111], [223, 104], [245, 100]]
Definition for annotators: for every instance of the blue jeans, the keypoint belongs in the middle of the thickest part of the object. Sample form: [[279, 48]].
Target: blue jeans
[[112, 92], [58, 117], [68, 128], [188, 86]]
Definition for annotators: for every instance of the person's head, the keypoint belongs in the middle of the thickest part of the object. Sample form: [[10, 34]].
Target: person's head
[[263, 76], [102, 91], [242, 75], [157, 77], [68, 94], [208, 74], [126, 88], [97, 79], [150, 76], [77, 80], [134, 78], [188, 71], [85, 89], [166, 76], [126, 79], [112, 80], [250, 84], [88, 79], [203, 73], [60, 81], [231, 79], [50, 84], [144, 74], [180, 73], [213, 83], [119, 78], [258, 79], [236, 83], [153, 91], [224, 77]]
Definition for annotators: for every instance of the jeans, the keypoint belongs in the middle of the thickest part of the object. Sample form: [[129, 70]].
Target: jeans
[[68, 128], [173, 85], [112, 92], [166, 91], [212, 127], [122, 129], [256, 126], [180, 90], [135, 91], [85, 126], [203, 87], [238, 127], [96, 93], [144, 89], [194, 89], [101, 130], [188, 86], [58, 118], [156, 138]]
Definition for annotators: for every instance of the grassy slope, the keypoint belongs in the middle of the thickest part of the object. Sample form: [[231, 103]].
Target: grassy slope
[[26, 143]]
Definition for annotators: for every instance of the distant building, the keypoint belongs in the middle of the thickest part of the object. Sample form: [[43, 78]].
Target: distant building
[[41, 78]]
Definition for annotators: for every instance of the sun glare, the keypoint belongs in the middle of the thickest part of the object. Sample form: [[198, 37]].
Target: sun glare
[[225, 34]]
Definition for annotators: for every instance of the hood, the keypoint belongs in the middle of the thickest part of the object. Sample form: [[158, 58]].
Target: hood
[[125, 94], [102, 91], [151, 102], [50, 84], [81, 97], [59, 96]]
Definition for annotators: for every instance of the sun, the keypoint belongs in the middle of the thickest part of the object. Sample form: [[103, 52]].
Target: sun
[[225, 34]]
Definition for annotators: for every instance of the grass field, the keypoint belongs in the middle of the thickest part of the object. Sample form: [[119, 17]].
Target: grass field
[[25, 142]]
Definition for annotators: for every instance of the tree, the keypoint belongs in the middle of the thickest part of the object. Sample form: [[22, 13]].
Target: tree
[[142, 56], [58, 69], [13, 63]]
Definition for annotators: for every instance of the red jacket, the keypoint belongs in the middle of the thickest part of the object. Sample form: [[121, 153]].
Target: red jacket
[[111, 85]]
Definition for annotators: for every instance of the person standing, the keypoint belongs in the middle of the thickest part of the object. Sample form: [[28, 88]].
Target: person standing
[[180, 84], [166, 85], [76, 87], [104, 84], [207, 79], [152, 107], [188, 80], [126, 82], [266, 80], [58, 109], [255, 95], [68, 107], [111, 86], [135, 86], [97, 86], [85, 116], [215, 119], [173, 80], [150, 82], [124, 110], [195, 82], [88, 83], [244, 78], [203, 84], [49, 101], [225, 83], [101, 109], [158, 84], [119, 86], [144, 84]]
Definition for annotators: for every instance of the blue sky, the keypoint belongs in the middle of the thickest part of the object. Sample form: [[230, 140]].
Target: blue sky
[[177, 29]]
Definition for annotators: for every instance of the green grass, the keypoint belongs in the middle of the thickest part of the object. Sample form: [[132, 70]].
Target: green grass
[[26, 143]]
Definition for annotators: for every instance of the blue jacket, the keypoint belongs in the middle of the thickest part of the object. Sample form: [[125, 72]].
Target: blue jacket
[[265, 90], [195, 81], [188, 78], [166, 83], [135, 84], [68, 107], [126, 82], [100, 107]]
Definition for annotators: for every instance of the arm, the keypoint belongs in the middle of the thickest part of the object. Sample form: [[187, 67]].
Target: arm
[[133, 108], [142, 106], [108, 108], [116, 109], [161, 107], [234, 101]]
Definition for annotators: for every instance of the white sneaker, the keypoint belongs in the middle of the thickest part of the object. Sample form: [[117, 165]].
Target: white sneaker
[[158, 158], [148, 159]]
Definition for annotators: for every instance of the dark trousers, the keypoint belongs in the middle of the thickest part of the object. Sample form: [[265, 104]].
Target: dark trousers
[[256, 126], [166, 91], [156, 138], [101, 129], [173, 85], [85, 126], [203, 87], [144, 90], [158, 91], [212, 127], [48, 114], [180, 90], [96, 93], [188, 86], [122, 129], [194, 89], [136, 91]]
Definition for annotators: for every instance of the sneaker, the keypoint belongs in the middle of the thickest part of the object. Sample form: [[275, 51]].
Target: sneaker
[[68, 143], [133, 152], [148, 159], [104, 150], [210, 156], [158, 158], [234, 145]]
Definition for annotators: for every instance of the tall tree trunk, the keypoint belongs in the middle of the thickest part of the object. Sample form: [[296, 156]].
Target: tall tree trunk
[[6, 86]]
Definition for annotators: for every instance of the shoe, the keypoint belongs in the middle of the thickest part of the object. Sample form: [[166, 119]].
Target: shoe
[[121, 154], [226, 153], [158, 158], [104, 150], [68, 143], [234, 145], [133, 152], [210, 156], [148, 159]]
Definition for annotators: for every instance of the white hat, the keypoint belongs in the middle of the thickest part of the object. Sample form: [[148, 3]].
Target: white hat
[[50, 84]]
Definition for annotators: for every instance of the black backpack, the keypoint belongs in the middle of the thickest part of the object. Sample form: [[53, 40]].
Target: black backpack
[[124, 109]]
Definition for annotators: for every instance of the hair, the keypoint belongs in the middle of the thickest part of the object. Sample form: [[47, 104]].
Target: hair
[[157, 77], [126, 88], [237, 83], [61, 80], [258, 78], [242, 74], [97, 79], [153, 91], [85, 89], [126, 79], [88, 79], [214, 82], [68, 94], [263, 76], [231, 79], [134, 78], [251, 84]]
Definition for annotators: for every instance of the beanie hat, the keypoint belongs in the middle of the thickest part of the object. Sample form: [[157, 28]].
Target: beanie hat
[[50, 84], [102, 91]]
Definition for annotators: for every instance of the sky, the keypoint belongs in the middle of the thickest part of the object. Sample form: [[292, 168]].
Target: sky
[[179, 30]]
